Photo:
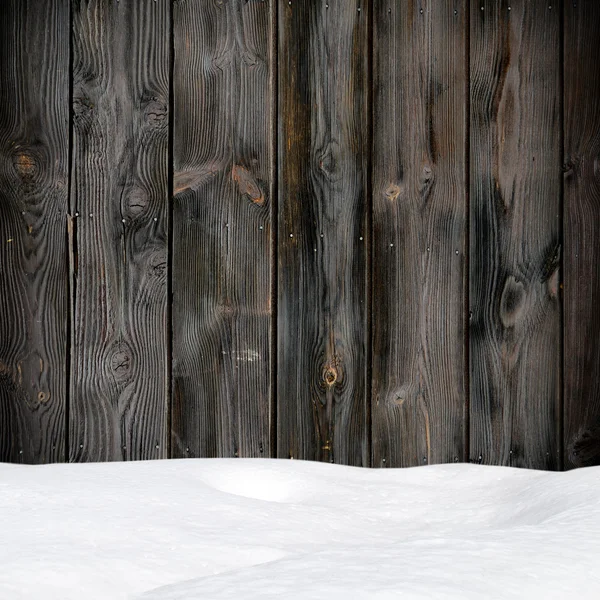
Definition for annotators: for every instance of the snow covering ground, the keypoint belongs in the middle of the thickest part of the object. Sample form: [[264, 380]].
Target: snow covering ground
[[239, 529]]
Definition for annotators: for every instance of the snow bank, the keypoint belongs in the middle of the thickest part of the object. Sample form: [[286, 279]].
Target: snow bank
[[239, 529]]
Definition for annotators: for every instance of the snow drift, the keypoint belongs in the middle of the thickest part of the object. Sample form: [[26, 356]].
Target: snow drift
[[231, 529]]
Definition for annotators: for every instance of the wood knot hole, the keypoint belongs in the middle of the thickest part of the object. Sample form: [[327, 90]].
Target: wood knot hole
[[330, 376]]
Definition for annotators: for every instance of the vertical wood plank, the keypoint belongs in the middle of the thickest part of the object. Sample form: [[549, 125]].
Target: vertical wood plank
[[322, 249], [515, 206], [419, 232], [222, 233], [120, 203], [582, 233], [34, 147]]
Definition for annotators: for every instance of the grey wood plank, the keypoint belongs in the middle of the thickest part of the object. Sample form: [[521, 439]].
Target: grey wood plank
[[419, 233], [322, 231], [582, 233], [34, 147], [119, 201], [222, 228], [515, 233]]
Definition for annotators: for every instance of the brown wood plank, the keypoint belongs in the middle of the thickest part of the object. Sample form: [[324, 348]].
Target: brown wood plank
[[119, 200], [419, 232], [515, 233], [222, 234], [322, 249], [582, 233], [34, 147]]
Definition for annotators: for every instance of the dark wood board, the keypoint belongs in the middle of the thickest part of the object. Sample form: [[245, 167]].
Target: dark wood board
[[222, 230], [419, 232], [323, 145], [582, 233], [119, 203], [34, 157], [515, 233]]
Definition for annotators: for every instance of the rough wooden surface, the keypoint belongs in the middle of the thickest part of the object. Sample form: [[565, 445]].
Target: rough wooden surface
[[222, 233], [119, 203], [419, 233], [34, 143], [515, 233], [367, 230], [582, 233], [322, 250]]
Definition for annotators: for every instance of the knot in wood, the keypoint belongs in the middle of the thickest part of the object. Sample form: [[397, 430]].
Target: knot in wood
[[426, 173], [584, 447], [512, 302], [426, 179], [155, 113], [327, 162], [248, 185], [82, 107], [135, 202], [392, 192], [25, 165], [158, 264], [120, 363], [330, 375], [226, 309]]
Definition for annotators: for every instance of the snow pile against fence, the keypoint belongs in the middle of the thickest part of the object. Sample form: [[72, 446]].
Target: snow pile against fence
[[238, 529]]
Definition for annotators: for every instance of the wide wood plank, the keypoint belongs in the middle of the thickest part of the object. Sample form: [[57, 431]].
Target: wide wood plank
[[34, 146], [222, 233], [582, 233], [322, 249], [515, 233], [119, 205], [419, 233]]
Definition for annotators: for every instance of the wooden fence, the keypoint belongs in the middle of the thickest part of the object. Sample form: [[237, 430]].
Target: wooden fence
[[360, 231]]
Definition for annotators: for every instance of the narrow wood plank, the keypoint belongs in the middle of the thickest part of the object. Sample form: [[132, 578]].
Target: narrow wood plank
[[323, 158], [515, 233], [120, 200], [222, 233], [34, 147], [582, 233], [419, 232]]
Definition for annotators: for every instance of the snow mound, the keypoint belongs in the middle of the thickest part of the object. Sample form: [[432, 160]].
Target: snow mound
[[249, 529]]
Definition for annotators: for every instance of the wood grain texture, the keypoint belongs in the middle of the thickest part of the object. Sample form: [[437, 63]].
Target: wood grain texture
[[419, 233], [34, 141], [120, 204], [222, 238], [322, 249], [515, 233], [582, 233]]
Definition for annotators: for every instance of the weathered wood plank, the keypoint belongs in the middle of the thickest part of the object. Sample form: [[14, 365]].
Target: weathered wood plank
[[419, 232], [582, 233], [120, 193], [322, 249], [515, 233], [222, 238], [34, 147]]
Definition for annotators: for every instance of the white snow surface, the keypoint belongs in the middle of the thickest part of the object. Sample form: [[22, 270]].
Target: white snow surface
[[265, 529]]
